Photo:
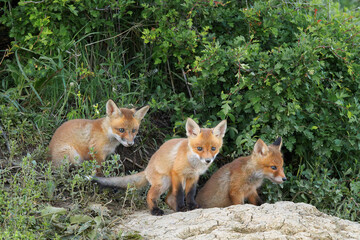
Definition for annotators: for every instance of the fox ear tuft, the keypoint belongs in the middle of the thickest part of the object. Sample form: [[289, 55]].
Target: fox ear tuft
[[139, 114], [278, 142], [260, 148], [111, 108], [220, 129], [192, 128]]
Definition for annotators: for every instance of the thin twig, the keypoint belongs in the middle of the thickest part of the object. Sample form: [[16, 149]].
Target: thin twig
[[187, 85], [115, 220], [108, 203], [103, 9], [171, 78], [125, 32], [33, 2], [186, 82], [334, 52], [38, 37], [133, 162], [6, 54], [352, 36]]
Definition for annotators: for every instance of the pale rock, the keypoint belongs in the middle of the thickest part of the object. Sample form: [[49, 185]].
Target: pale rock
[[282, 220]]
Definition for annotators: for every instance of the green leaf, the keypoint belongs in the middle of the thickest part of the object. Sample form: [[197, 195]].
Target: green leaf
[[80, 219], [257, 107], [49, 210], [278, 67], [85, 226], [338, 142], [349, 114], [277, 87], [72, 9], [226, 108]]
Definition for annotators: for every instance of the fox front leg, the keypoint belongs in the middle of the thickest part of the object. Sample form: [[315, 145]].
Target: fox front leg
[[254, 198], [177, 193], [236, 197], [190, 191]]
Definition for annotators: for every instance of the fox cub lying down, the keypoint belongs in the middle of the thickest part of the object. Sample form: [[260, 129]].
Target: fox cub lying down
[[239, 180], [176, 165], [74, 138]]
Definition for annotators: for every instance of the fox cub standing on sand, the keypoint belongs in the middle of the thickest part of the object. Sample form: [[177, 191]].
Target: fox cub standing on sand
[[238, 180], [74, 138], [177, 165]]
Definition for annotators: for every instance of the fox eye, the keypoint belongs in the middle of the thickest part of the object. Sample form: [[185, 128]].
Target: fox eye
[[213, 148], [273, 167], [134, 130], [199, 148], [121, 130]]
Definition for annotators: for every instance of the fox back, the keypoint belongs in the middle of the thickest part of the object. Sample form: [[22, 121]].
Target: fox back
[[237, 181], [74, 139]]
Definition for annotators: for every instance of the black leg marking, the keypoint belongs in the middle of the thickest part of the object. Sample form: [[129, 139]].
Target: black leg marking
[[259, 201], [190, 198], [157, 211], [180, 205]]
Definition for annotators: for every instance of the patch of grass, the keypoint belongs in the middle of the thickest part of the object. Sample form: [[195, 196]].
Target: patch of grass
[[37, 202]]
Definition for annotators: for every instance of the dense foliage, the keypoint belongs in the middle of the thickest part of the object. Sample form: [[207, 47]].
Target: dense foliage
[[272, 68]]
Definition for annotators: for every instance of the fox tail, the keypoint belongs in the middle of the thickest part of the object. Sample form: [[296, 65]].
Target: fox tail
[[137, 180]]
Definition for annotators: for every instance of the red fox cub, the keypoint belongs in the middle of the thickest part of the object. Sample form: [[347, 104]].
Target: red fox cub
[[74, 138], [238, 180], [176, 165]]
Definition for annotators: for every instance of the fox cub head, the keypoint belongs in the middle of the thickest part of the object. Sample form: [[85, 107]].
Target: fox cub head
[[269, 159], [205, 143], [124, 123]]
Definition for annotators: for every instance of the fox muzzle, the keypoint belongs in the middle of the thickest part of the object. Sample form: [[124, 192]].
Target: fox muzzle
[[127, 144]]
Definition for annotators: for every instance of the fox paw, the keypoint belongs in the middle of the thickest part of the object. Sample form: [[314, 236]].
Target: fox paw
[[157, 212], [192, 206], [182, 209]]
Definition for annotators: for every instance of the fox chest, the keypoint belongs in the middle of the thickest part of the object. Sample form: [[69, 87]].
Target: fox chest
[[195, 169], [255, 179], [110, 147]]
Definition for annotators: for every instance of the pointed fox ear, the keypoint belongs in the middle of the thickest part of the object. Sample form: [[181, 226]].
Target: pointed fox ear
[[278, 142], [192, 129], [139, 114], [220, 129], [112, 109], [260, 148]]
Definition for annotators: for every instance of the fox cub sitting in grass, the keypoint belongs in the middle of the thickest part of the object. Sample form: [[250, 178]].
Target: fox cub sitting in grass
[[237, 181], [74, 139], [176, 165]]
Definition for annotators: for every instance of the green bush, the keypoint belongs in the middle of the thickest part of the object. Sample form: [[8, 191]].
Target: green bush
[[272, 68], [275, 69], [46, 26]]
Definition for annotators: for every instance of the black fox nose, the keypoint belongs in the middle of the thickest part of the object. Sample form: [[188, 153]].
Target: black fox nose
[[207, 160], [284, 179]]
